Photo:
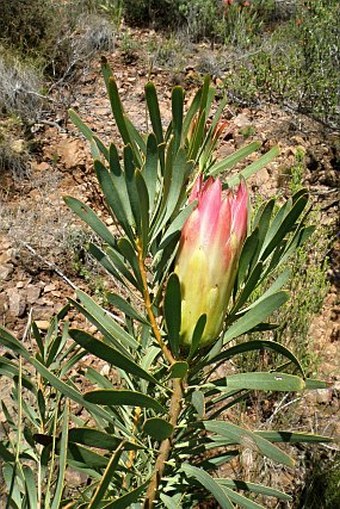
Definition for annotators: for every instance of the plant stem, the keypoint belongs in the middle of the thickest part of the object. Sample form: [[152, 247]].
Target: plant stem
[[166, 352], [165, 447]]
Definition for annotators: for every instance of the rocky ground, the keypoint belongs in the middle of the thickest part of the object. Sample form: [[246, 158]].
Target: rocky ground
[[42, 243]]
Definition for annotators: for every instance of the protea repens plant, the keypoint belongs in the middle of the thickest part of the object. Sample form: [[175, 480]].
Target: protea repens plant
[[189, 267]]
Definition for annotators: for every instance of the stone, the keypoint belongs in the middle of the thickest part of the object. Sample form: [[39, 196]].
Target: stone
[[32, 293], [72, 154], [42, 324], [6, 272], [16, 302], [323, 396], [50, 288]]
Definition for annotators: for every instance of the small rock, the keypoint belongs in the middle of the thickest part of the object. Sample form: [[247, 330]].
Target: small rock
[[6, 271], [16, 302], [42, 324], [20, 284], [43, 166], [32, 294], [72, 153], [6, 256], [323, 396], [50, 288], [3, 303]]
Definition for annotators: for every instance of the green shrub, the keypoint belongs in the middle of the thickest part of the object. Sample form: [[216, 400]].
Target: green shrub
[[298, 64]]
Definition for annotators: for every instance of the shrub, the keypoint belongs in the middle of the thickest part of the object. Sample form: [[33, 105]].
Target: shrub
[[20, 86], [301, 70]]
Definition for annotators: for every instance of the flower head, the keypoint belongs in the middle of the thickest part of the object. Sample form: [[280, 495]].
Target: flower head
[[209, 251]]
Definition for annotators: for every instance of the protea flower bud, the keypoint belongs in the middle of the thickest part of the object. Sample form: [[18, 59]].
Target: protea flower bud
[[207, 260]]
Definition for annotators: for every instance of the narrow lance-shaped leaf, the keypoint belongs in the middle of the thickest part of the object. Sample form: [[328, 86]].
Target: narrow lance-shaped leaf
[[62, 460], [106, 324], [238, 435], [209, 484], [237, 156], [150, 170], [177, 100], [108, 354], [12, 343], [172, 312], [154, 111], [123, 397], [255, 316], [125, 307], [264, 381], [104, 483], [86, 214], [250, 346], [255, 488], [126, 501], [254, 167]]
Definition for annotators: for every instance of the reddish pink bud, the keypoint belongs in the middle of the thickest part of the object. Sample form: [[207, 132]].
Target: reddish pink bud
[[210, 246]]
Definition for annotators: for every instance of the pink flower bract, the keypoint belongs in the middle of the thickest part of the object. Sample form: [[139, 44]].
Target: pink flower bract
[[210, 246]]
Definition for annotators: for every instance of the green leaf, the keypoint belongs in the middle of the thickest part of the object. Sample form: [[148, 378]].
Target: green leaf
[[11, 342], [83, 128], [130, 178], [249, 287], [238, 435], [198, 402], [312, 384], [115, 197], [255, 315], [241, 500], [285, 226], [256, 345], [255, 488], [192, 111], [254, 167], [158, 428], [177, 101], [173, 188], [82, 457], [172, 312], [113, 397], [104, 483], [89, 217], [62, 460], [31, 489], [171, 502], [234, 158], [154, 111], [179, 369], [209, 484], [197, 335], [106, 324], [99, 439], [113, 263], [150, 170], [110, 355], [128, 499], [125, 307], [247, 255], [144, 210], [293, 437], [265, 382], [117, 108]]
